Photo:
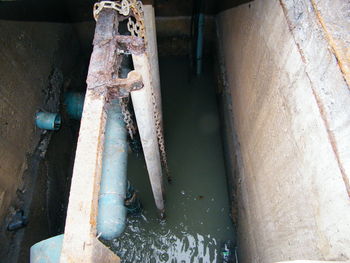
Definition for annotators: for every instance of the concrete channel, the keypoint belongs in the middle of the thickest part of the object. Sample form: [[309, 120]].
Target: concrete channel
[[251, 99]]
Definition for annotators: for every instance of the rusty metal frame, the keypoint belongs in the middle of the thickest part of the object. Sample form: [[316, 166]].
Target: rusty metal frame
[[80, 243]]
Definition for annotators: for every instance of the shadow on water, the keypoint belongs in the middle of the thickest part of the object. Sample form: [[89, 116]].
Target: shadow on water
[[197, 207]]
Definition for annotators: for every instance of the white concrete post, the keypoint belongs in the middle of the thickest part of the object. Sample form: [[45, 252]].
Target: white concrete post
[[152, 52], [143, 107]]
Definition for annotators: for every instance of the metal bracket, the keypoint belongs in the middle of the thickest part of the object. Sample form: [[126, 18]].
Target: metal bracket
[[130, 45], [120, 88], [104, 81]]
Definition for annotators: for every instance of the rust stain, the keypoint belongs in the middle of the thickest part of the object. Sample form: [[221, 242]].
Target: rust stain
[[291, 28], [93, 215], [332, 43], [320, 106], [331, 137], [131, 44], [119, 88]]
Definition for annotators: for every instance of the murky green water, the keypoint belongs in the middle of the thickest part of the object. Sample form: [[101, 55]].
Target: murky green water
[[197, 206]]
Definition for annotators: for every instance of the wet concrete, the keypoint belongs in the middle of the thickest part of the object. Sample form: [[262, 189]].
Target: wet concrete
[[34, 71], [51, 190], [197, 205]]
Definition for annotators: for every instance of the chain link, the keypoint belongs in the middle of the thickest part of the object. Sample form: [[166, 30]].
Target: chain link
[[138, 12], [127, 116], [136, 28], [160, 137], [123, 7]]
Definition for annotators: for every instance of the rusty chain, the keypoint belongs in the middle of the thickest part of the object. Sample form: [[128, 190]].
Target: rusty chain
[[129, 122], [160, 137], [136, 28], [123, 7]]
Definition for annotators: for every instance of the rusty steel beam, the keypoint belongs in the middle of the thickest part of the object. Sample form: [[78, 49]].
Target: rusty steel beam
[[80, 243]]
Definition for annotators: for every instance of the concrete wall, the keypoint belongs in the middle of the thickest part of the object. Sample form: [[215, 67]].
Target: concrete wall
[[173, 35], [291, 115], [35, 59]]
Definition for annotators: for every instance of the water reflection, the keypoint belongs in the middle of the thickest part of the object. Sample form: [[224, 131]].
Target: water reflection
[[142, 242], [197, 205]]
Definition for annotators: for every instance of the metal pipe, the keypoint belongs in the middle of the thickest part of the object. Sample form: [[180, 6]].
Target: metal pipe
[[111, 210], [199, 50], [47, 251], [74, 102], [48, 120]]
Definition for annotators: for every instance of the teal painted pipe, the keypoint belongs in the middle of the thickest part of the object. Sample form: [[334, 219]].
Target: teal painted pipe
[[48, 121], [47, 251], [74, 102], [199, 50], [111, 210]]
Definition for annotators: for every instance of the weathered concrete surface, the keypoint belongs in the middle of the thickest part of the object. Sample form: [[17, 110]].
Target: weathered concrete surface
[[24, 72], [173, 35], [32, 71], [334, 19], [325, 70], [291, 114], [80, 243]]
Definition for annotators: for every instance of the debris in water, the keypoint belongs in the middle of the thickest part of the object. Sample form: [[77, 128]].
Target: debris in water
[[164, 257], [135, 145], [144, 217], [132, 202], [228, 252], [18, 221]]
